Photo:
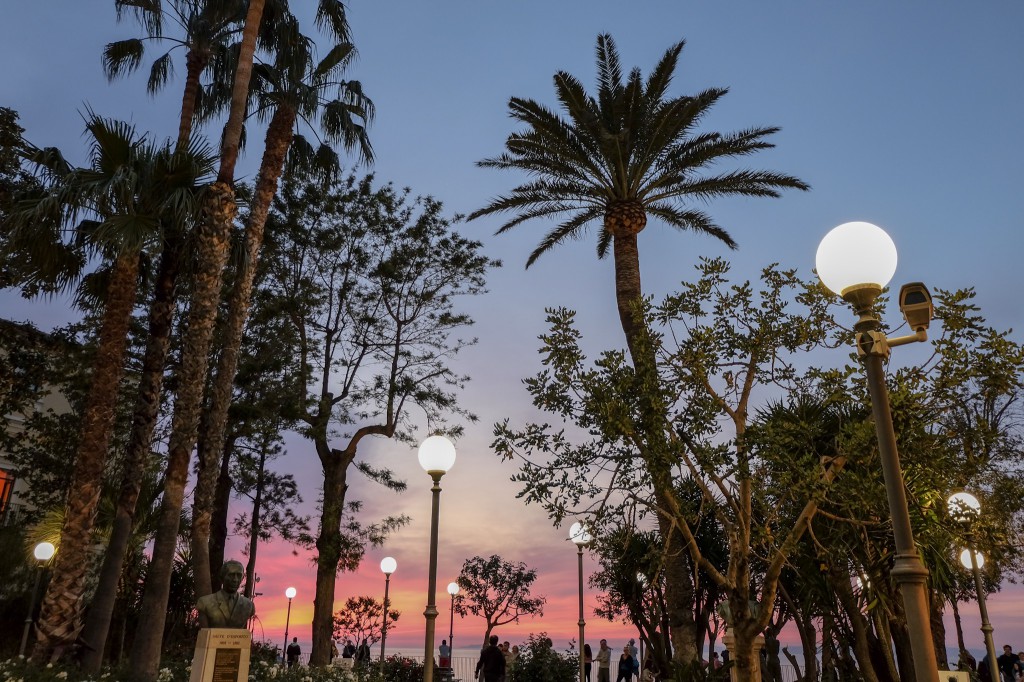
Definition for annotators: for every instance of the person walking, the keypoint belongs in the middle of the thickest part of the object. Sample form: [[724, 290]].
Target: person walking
[[492, 662], [625, 666], [604, 661], [588, 661], [636, 657], [293, 652], [363, 654]]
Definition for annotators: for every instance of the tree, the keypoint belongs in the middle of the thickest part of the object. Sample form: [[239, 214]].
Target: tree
[[131, 188], [212, 238], [292, 88], [721, 348], [625, 154], [365, 282], [498, 591], [362, 618]]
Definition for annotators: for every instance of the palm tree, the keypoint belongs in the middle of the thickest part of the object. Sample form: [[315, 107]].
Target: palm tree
[[621, 156], [127, 192], [212, 244], [628, 153], [289, 90], [205, 31]]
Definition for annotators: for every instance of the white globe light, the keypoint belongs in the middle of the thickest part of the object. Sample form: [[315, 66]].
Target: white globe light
[[579, 535], [453, 589], [44, 551], [437, 453], [855, 253], [290, 593], [965, 558], [388, 565], [963, 506]]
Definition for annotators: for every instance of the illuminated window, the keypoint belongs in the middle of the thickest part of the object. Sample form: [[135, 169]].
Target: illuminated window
[[6, 487]]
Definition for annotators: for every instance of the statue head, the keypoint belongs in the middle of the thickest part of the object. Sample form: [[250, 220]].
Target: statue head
[[231, 574]]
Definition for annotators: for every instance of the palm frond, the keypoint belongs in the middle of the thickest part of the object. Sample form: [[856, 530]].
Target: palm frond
[[159, 73], [122, 57]]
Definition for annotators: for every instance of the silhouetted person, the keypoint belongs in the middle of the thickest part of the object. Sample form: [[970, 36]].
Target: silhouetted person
[[492, 661], [293, 652]]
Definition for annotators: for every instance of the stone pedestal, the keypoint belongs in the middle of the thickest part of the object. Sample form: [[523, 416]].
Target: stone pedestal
[[730, 643], [222, 655]]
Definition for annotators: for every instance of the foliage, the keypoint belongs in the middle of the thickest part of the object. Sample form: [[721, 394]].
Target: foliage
[[539, 662], [362, 618], [497, 590]]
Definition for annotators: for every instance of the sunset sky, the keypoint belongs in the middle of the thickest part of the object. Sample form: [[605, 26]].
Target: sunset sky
[[902, 114]]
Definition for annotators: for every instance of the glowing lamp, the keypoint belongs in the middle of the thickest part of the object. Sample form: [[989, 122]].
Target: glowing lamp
[[436, 454]]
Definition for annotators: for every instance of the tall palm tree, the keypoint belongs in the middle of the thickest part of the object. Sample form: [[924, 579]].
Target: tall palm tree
[[626, 154], [205, 31], [212, 243], [290, 89], [128, 191]]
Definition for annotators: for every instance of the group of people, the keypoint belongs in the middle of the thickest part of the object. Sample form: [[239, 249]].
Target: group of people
[[627, 667], [1010, 665], [360, 654], [495, 660]]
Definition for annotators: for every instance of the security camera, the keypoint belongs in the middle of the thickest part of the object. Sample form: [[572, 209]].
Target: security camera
[[916, 305]]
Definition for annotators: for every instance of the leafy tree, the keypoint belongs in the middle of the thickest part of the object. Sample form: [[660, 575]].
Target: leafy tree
[[733, 345], [618, 157], [364, 282], [362, 618], [539, 662], [498, 591]]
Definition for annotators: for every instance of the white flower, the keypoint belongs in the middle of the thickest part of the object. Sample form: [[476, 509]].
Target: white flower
[[49, 665], [62, 675]]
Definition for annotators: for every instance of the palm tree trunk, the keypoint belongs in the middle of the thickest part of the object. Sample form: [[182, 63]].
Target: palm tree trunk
[[60, 617], [628, 294], [147, 408], [278, 140], [147, 404], [213, 246]]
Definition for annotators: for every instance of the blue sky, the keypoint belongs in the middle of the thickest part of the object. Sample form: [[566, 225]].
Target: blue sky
[[902, 114]]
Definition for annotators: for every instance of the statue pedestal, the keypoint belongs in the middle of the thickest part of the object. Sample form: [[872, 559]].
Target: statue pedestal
[[730, 643], [222, 655]]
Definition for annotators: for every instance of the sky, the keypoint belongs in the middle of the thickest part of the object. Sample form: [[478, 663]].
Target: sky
[[901, 114]]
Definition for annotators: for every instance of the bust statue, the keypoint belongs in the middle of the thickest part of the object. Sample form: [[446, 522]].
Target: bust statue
[[226, 608]]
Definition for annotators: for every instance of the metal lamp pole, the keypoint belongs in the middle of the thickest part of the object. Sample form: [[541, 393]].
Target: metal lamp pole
[[436, 456], [388, 566], [860, 281], [43, 552], [965, 508], [581, 538], [453, 589], [290, 593]]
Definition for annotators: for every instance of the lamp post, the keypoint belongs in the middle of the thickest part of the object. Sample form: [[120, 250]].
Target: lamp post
[[43, 552], [453, 589], [388, 565], [290, 593], [581, 538], [436, 456], [856, 260], [965, 508]]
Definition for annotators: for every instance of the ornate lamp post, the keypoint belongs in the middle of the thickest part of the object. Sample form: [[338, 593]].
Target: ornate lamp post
[[43, 552], [290, 593], [436, 456], [388, 565], [453, 590], [856, 260], [965, 508], [581, 538]]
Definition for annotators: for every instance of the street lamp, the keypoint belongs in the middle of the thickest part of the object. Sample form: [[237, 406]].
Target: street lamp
[[856, 260], [436, 456], [388, 565], [581, 538], [965, 508], [453, 589], [43, 552], [290, 593]]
